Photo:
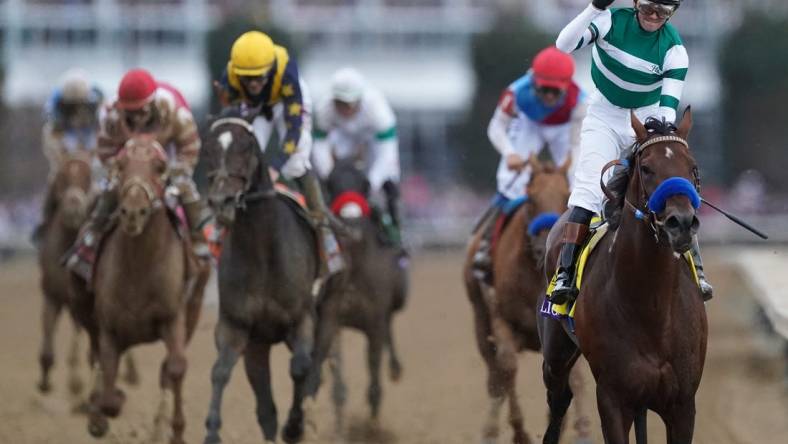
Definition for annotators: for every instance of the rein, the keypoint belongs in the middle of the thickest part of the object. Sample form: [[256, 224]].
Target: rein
[[675, 185], [243, 197]]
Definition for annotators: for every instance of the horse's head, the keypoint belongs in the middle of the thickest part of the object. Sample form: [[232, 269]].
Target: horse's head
[[141, 167], [664, 182], [348, 188], [72, 188], [235, 165], [548, 192]]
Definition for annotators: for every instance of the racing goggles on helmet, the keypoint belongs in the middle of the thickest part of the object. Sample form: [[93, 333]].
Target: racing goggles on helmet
[[648, 7]]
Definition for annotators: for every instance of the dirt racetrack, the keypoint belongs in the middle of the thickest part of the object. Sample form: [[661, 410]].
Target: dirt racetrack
[[441, 399]]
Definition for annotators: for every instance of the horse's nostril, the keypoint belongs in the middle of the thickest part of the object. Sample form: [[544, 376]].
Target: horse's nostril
[[672, 223]]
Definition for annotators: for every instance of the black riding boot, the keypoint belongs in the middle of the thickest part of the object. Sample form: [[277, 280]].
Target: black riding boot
[[332, 256], [482, 261], [705, 287], [575, 232], [392, 225]]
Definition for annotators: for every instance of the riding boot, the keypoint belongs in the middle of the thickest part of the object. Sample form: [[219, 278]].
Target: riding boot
[[197, 215], [575, 232], [705, 287], [79, 259], [391, 220], [332, 256], [482, 261], [47, 212]]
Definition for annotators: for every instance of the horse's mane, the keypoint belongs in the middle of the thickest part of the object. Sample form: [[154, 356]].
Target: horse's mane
[[620, 181]]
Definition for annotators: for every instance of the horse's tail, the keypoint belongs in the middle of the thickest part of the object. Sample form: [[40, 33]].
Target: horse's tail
[[640, 427]]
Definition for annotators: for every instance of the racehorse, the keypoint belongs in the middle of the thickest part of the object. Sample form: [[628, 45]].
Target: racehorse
[[70, 195], [376, 289], [505, 311], [148, 285], [640, 319], [269, 284]]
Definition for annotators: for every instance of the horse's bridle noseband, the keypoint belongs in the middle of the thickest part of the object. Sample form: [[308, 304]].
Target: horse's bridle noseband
[[645, 213], [244, 196]]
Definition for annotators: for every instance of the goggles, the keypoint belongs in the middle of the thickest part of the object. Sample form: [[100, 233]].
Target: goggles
[[647, 8], [549, 91]]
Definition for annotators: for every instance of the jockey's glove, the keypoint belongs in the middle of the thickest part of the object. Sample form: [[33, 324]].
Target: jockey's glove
[[602, 4]]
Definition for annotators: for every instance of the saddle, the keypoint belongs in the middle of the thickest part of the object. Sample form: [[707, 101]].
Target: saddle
[[566, 311]]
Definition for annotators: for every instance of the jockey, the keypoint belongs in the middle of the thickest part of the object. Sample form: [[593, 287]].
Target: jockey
[[357, 122], [145, 106], [542, 107], [638, 63], [71, 123], [264, 78]]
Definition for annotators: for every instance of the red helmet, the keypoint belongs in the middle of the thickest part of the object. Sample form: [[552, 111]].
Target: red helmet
[[553, 68], [136, 89]]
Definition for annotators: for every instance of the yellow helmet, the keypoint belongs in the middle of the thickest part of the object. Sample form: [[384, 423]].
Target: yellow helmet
[[252, 54]]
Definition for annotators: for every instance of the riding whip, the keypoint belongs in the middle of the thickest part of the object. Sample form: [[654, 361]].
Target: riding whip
[[736, 220]]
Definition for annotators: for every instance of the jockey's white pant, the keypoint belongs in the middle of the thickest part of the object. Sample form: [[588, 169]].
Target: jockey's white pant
[[528, 137], [606, 132], [298, 162]]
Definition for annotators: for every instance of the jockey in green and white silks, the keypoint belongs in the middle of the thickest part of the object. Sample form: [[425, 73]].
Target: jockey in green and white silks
[[356, 122], [638, 63]]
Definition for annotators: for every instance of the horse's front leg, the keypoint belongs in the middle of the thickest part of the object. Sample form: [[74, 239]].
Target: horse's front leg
[[616, 418], [50, 312], [174, 369], [339, 392], [257, 362], [374, 357], [560, 354], [110, 400], [230, 344], [680, 422], [301, 343], [577, 383]]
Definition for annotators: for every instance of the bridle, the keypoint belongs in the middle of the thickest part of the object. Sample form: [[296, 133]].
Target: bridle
[[152, 191], [644, 212], [244, 196]]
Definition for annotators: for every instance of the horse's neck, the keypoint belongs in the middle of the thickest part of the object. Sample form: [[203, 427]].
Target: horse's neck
[[155, 237], [645, 270]]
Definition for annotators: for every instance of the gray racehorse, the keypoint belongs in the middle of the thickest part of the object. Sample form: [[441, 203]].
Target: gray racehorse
[[269, 289], [377, 286]]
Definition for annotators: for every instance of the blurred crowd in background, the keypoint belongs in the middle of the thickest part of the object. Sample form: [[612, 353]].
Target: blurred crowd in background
[[441, 63]]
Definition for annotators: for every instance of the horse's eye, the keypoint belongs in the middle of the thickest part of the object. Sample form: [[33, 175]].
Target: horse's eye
[[646, 171]]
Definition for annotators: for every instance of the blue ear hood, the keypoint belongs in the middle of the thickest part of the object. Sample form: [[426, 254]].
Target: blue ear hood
[[541, 222], [672, 187]]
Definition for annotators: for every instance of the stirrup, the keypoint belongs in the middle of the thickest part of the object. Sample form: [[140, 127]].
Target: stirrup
[[564, 290], [706, 290]]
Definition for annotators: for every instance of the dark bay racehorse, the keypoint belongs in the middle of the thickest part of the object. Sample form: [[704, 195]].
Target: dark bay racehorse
[[70, 194], [377, 285], [268, 282], [640, 319], [148, 286], [505, 312]]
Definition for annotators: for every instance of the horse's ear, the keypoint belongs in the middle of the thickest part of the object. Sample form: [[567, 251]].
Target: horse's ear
[[564, 168], [685, 125], [536, 165], [640, 130]]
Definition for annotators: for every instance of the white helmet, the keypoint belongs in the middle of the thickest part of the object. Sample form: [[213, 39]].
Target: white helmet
[[347, 85], [74, 86]]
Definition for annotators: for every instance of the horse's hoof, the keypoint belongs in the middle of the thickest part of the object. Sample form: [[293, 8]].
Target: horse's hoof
[[396, 372], [175, 440], [521, 438], [293, 433], [213, 438], [111, 403], [98, 426], [44, 387]]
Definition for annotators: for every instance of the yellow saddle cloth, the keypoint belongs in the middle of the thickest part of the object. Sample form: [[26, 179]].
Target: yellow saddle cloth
[[598, 230]]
